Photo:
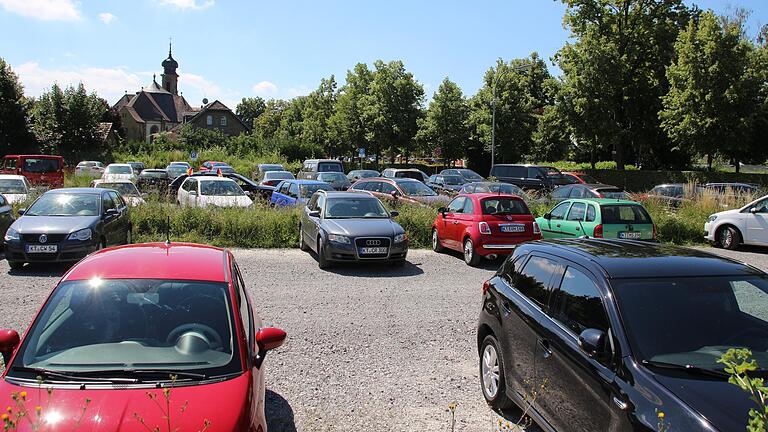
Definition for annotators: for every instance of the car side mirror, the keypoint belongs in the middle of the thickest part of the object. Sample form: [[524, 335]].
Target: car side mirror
[[267, 339], [592, 341], [394, 213], [9, 341], [547, 216], [110, 213], [314, 214], [192, 193], [753, 210], [394, 194], [442, 210], [21, 211]]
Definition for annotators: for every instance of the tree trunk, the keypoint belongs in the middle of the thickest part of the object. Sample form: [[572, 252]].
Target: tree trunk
[[709, 162], [736, 165]]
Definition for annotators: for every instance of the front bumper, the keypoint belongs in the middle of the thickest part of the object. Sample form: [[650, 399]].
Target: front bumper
[[709, 231], [67, 251], [341, 252]]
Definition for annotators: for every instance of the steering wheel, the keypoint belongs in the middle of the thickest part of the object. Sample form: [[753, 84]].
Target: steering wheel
[[745, 332], [214, 336]]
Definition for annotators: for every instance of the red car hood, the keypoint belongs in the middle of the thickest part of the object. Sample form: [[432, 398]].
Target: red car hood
[[225, 405]]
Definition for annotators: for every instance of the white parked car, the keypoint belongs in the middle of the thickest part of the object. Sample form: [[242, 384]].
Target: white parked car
[[747, 225], [119, 172], [89, 168], [14, 188], [203, 191], [125, 188], [184, 164]]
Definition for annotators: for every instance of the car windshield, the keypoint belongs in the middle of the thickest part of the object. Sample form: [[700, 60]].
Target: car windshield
[[703, 317], [504, 206], [278, 175], [65, 204], [345, 208], [119, 169], [586, 178], [416, 188], [552, 172], [133, 324], [182, 164], [12, 186], [409, 174], [367, 174], [329, 167], [125, 189], [220, 188], [33, 165], [308, 190], [454, 180], [154, 174], [327, 177], [267, 168], [470, 175], [176, 170], [624, 214]]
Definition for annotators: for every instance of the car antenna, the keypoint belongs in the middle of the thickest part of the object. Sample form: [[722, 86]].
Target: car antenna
[[168, 232], [584, 233]]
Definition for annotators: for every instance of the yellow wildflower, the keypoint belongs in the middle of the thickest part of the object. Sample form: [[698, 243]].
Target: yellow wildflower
[[23, 395]]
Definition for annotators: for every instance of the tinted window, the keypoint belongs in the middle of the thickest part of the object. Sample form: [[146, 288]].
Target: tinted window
[[117, 199], [533, 281], [558, 213], [576, 213], [624, 214], [293, 190], [329, 167], [457, 205], [385, 187], [534, 173], [108, 202], [509, 171], [561, 192], [577, 192], [591, 213], [10, 164], [503, 205], [41, 165], [579, 306]]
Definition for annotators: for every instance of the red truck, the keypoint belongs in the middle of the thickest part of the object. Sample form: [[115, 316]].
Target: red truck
[[40, 170]]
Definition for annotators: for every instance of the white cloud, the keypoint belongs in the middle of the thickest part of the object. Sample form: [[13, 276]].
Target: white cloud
[[107, 17], [109, 83], [187, 4], [264, 88], [299, 91], [196, 87], [45, 10]]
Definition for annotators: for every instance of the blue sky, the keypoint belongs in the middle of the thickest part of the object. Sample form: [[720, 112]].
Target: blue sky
[[229, 49]]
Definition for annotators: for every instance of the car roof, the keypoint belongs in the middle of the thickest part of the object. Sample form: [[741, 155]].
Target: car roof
[[80, 190], [348, 194], [484, 195], [642, 259], [304, 182], [12, 177], [154, 170], [322, 160], [182, 261], [602, 201], [214, 178], [101, 181], [403, 180], [597, 186], [34, 156]]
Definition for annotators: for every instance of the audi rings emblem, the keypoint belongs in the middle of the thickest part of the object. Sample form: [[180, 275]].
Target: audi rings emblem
[[373, 242], [43, 238]]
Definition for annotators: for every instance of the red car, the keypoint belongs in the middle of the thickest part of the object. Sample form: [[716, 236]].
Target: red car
[[483, 225], [101, 351], [577, 177], [40, 170]]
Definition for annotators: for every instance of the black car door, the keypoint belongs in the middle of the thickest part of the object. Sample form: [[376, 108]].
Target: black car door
[[6, 215], [123, 218], [577, 394], [522, 304], [110, 225]]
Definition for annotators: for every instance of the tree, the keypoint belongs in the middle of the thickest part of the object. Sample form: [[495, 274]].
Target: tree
[[268, 123], [614, 76], [446, 123], [15, 136], [552, 137], [710, 106], [249, 109], [316, 116], [348, 130], [391, 108]]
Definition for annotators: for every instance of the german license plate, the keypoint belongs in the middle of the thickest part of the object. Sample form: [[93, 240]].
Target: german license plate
[[630, 235], [512, 228], [373, 251], [42, 248]]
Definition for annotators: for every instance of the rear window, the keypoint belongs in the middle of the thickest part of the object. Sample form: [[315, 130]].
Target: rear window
[[408, 174], [624, 214], [329, 167], [154, 174], [613, 193], [509, 171], [33, 165], [503, 206]]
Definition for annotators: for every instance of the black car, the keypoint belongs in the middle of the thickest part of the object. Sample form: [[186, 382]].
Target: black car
[[250, 187], [351, 226], [529, 177], [154, 180], [66, 225], [6, 214], [618, 330]]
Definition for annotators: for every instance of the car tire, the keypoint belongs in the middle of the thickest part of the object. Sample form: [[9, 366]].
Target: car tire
[[436, 246], [15, 265], [302, 244], [728, 238], [492, 379], [470, 256], [322, 261]]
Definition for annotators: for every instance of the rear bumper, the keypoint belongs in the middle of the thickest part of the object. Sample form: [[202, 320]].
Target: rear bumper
[[501, 246]]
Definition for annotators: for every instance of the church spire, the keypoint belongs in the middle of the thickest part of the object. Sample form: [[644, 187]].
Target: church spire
[[170, 77], [170, 46]]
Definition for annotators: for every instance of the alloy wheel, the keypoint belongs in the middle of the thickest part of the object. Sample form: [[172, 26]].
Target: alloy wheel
[[490, 371], [469, 251]]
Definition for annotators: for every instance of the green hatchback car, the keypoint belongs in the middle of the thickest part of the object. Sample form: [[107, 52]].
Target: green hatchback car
[[598, 218]]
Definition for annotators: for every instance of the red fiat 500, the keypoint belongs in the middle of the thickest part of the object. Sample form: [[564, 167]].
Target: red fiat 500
[[483, 225], [138, 337]]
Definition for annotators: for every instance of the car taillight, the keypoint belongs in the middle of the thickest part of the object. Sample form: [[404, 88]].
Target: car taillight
[[598, 233], [486, 286], [484, 228], [536, 229]]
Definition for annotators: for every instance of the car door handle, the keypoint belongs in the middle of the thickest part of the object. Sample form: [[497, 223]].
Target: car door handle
[[506, 308], [558, 225], [455, 222], [624, 406], [544, 345]]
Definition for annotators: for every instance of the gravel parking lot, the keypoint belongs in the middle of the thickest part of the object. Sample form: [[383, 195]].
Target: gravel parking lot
[[369, 348]]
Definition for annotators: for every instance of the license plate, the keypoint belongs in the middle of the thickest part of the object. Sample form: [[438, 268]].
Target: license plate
[[373, 251], [42, 248], [512, 228], [630, 235]]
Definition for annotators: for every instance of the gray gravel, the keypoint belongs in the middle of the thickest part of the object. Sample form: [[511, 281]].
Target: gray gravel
[[369, 347]]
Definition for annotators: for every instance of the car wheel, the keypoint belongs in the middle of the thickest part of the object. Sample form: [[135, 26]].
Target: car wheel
[[492, 377], [728, 238], [470, 257], [322, 261], [302, 244], [15, 265], [436, 246]]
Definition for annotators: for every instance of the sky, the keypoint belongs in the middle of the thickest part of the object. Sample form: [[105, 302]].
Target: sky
[[230, 49]]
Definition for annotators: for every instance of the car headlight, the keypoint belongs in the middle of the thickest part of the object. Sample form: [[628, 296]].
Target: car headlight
[[12, 234], [712, 218], [401, 238], [338, 239], [82, 235]]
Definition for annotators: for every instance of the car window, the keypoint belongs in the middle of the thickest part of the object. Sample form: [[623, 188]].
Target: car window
[[577, 192], [329, 167], [533, 280], [321, 203], [34, 165], [117, 199], [534, 173], [562, 192], [242, 302], [558, 213], [293, 190], [576, 213], [312, 204], [457, 205], [508, 171], [469, 206], [624, 214], [10, 163], [3, 202], [579, 305], [503, 206], [591, 213], [760, 206], [386, 188], [284, 188], [107, 202]]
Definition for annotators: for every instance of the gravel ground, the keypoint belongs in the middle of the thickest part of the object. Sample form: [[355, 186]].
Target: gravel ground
[[369, 348]]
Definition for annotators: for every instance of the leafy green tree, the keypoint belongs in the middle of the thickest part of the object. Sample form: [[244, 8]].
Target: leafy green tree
[[318, 110], [249, 109], [268, 123], [193, 138], [552, 137], [15, 135], [391, 108], [710, 106], [348, 130], [446, 123], [614, 76]]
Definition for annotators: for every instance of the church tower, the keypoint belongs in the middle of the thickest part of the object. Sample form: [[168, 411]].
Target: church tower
[[170, 77]]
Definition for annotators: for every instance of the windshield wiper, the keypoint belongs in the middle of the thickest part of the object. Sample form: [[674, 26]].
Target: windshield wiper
[[686, 368], [68, 375]]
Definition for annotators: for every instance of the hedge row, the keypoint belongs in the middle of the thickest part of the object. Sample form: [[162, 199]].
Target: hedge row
[[642, 180]]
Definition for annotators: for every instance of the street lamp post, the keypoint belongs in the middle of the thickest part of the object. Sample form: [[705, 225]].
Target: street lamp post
[[498, 75]]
